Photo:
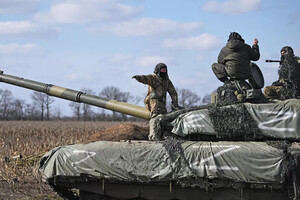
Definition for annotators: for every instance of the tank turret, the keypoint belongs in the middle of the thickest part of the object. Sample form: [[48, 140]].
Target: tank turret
[[77, 96]]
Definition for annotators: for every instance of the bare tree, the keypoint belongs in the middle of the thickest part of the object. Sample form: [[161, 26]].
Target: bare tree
[[57, 112], [18, 109], [49, 101], [76, 108], [187, 98], [6, 99], [111, 92], [39, 100], [31, 113], [206, 99], [115, 93], [43, 101], [86, 108]]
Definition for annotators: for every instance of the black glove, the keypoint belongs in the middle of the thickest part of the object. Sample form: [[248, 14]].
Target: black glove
[[176, 107]]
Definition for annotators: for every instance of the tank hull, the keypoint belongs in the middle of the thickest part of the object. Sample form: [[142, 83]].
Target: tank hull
[[92, 190], [172, 169]]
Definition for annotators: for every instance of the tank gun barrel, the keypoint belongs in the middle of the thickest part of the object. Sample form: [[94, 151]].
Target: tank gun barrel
[[77, 96]]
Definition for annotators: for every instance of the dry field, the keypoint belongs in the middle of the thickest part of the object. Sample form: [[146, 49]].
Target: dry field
[[23, 143]]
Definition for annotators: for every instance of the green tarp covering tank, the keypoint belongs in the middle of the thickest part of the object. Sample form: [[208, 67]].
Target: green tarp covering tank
[[203, 166], [278, 120]]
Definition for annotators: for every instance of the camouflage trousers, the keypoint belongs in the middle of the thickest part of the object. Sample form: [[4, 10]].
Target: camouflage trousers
[[155, 132], [272, 91]]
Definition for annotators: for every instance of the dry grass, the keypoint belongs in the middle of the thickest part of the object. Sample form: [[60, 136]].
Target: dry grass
[[19, 178]]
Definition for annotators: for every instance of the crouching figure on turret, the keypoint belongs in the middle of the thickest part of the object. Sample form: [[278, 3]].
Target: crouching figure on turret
[[234, 68], [158, 86]]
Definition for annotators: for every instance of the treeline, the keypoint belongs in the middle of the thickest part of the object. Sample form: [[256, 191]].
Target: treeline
[[41, 107]]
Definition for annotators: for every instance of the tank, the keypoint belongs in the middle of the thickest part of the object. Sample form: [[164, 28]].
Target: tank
[[246, 150]]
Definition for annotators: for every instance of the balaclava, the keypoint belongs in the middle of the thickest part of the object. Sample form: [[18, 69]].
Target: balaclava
[[288, 51], [161, 70]]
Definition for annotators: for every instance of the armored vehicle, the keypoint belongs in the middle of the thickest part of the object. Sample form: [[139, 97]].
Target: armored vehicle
[[240, 151]]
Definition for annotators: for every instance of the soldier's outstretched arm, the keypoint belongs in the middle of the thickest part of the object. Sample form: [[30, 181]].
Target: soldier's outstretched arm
[[145, 79]]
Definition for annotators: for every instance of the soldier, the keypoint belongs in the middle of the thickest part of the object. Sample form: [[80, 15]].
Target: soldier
[[288, 84], [158, 86], [234, 59]]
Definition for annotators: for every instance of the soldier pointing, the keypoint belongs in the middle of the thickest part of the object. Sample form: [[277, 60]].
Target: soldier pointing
[[159, 85]]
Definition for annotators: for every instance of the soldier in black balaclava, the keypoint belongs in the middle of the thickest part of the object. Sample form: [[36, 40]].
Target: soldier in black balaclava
[[161, 70], [285, 51], [288, 84], [158, 86], [234, 59]]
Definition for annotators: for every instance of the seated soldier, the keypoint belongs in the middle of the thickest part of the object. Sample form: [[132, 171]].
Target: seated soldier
[[288, 84], [158, 86]]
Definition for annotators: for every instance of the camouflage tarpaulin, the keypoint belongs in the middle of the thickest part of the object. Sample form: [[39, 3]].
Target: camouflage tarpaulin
[[280, 120], [193, 122], [250, 162]]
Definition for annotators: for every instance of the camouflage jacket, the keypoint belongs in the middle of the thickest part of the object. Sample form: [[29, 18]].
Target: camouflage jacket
[[236, 56], [289, 74], [158, 87]]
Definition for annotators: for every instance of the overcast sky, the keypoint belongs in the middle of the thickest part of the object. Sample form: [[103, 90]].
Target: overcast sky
[[97, 43]]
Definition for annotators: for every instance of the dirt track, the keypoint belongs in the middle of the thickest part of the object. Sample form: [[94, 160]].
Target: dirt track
[[19, 178]]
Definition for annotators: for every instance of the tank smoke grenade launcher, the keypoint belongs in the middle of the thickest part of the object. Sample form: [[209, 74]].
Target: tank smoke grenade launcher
[[77, 96]]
